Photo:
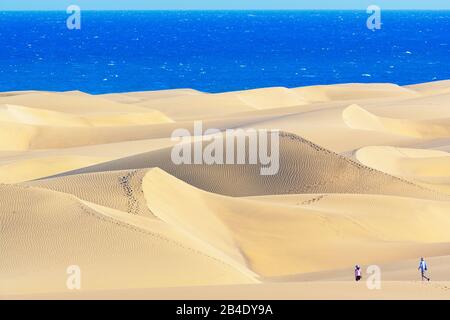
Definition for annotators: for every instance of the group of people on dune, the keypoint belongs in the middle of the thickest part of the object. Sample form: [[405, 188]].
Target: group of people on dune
[[422, 268]]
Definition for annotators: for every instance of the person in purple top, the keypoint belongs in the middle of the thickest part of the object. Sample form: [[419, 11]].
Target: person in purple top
[[357, 273]]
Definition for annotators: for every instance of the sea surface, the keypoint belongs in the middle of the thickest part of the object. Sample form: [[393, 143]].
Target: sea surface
[[216, 51]]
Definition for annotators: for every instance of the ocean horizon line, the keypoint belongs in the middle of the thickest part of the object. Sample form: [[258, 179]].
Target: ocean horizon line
[[119, 91], [225, 10]]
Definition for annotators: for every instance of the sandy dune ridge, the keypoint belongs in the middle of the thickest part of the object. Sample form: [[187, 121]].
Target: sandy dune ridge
[[88, 181]]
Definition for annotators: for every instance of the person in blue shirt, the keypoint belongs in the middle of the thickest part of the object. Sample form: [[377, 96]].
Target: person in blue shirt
[[423, 267]]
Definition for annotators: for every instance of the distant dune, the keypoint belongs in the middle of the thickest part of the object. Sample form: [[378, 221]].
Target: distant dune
[[358, 118], [88, 180]]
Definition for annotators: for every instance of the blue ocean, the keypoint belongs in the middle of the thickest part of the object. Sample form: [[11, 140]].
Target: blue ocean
[[215, 51]]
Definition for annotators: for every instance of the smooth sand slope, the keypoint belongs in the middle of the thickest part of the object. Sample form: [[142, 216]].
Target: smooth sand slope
[[364, 178], [358, 118]]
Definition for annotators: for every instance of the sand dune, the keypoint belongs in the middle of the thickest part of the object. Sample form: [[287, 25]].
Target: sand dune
[[357, 230], [125, 191], [20, 137], [431, 88], [192, 106], [41, 117], [269, 98], [76, 104], [20, 166], [197, 106], [428, 167], [135, 97], [31, 169], [304, 168], [88, 180], [102, 245], [354, 91], [424, 107], [248, 232], [358, 118], [412, 163]]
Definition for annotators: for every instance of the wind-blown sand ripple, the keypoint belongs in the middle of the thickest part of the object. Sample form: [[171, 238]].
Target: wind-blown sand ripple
[[304, 168], [363, 179]]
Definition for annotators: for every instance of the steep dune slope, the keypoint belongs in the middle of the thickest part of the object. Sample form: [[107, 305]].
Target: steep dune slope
[[122, 189], [20, 166], [358, 118], [45, 232], [425, 166], [278, 238], [412, 163], [304, 168]]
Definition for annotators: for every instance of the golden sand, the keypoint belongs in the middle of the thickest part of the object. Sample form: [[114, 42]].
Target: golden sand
[[88, 180]]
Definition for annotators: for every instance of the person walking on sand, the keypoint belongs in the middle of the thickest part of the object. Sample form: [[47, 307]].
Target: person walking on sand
[[423, 267], [357, 273]]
